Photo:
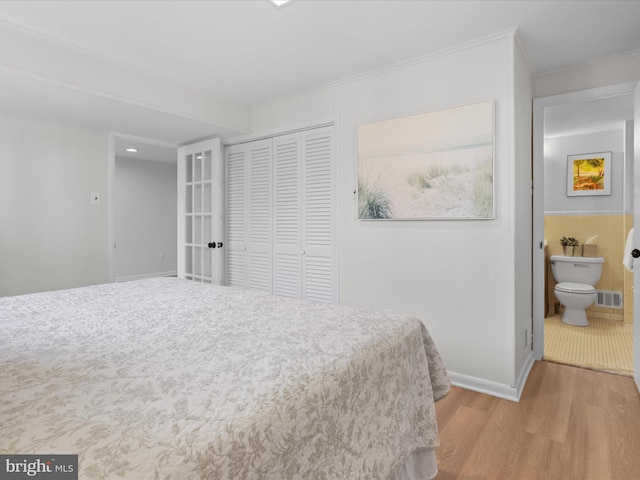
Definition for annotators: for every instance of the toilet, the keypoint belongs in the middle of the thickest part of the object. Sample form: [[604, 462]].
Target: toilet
[[577, 278]]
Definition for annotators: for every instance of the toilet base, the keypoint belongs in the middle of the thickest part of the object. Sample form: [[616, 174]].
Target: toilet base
[[575, 316]]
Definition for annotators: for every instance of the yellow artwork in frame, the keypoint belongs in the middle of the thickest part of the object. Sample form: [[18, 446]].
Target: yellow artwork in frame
[[589, 174]]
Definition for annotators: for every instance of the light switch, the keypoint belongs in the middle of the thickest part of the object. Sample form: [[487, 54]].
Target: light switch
[[95, 198]]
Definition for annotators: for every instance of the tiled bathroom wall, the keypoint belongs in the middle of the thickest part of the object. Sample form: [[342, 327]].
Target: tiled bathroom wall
[[611, 231]]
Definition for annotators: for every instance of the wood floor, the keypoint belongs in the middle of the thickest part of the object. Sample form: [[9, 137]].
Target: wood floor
[[570, 424]]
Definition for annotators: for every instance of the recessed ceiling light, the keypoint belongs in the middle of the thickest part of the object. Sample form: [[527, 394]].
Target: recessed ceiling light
[[280, 3], [132, 150]]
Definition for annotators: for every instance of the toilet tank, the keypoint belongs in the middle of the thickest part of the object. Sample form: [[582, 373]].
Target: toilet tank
[[585, 270]]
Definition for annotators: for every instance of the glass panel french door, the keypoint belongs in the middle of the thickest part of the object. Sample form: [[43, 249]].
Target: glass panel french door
[[200, 212]]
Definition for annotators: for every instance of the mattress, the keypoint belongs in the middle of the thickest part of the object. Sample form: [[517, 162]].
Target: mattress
[[168, 378]]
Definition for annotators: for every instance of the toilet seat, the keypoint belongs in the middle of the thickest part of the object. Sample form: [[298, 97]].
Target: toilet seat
[[575, 288]]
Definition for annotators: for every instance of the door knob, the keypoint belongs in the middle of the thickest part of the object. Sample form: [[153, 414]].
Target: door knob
[[219, 244], [635, 253], [211, 245]]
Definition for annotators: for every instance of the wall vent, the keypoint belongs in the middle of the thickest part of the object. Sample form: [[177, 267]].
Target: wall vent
[[609, 299]]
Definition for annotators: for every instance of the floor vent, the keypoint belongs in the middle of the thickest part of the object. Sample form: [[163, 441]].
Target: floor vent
[[609, 299]]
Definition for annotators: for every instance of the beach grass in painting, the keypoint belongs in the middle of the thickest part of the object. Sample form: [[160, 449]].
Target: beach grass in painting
[[373, 202]]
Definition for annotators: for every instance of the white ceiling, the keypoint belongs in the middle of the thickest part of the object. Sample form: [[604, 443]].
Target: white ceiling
[[145, 150], [249, 51], [601, 115]]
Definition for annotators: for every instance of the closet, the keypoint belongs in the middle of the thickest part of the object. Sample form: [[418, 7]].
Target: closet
[[281, 215]]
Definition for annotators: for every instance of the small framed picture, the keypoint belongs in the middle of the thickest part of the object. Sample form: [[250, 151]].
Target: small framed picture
[[589, 174]]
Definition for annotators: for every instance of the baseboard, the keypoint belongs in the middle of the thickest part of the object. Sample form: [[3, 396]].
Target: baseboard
[[129, 278], [495, 389], [524, 373]]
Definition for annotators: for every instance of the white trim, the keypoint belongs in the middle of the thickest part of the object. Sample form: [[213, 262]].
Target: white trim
[[336, 198], [111, 188], [586, 95], [130, 278], [539, 104], [521, 380], [481, 385], [517, 36], [494, 389], [275, 132], [134, 138], [636, 235], [600, 61], [560, 213]]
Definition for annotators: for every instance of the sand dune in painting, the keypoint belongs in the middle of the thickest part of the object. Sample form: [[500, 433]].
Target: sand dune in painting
[[457, 184], [428, 166]]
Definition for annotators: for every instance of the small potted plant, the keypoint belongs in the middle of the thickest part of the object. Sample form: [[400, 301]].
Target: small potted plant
[[569, 245]]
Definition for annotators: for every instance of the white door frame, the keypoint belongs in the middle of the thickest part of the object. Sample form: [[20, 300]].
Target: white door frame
[[539, 104], [111, 166], [636, 236]]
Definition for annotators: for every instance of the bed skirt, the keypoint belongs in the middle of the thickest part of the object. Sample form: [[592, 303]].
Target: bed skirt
[[421, 465]]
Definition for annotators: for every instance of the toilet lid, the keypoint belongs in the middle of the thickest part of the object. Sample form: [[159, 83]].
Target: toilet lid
[[571, 287]]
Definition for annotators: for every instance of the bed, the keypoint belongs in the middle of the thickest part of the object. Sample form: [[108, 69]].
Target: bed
[[172, 379]]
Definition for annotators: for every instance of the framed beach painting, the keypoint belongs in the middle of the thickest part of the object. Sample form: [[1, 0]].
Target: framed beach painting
[[430, 166], [589, 174]]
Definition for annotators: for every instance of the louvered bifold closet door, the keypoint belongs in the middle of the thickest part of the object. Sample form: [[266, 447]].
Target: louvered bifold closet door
[[319, 216], [235, 191], [281, 215], [248, 215], [259, 216], [287, 216]]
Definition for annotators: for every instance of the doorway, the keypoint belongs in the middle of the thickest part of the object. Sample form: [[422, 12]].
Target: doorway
[[143, 208], [576, 123]]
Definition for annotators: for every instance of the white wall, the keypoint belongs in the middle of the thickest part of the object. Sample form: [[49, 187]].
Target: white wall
[[458, 276], [555, 173], [50, 235], [145, 218]]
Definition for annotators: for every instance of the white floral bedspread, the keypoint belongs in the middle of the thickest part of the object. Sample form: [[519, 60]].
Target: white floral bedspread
[[171, 379]]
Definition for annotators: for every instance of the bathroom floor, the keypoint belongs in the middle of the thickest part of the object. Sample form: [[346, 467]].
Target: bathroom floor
[[605, 345]]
